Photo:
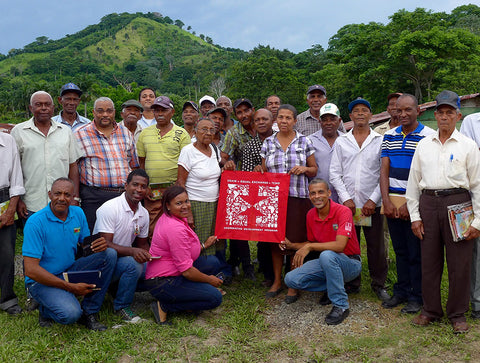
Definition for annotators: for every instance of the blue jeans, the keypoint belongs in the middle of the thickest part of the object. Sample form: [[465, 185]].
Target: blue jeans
[[127, 272], [328, 272], [408, 260], [62, 306], [176, 293]]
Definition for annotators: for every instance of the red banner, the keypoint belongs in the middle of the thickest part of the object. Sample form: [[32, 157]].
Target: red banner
[[252, 206]]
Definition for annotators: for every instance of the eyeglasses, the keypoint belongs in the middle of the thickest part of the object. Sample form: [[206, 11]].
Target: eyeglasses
[[101, 110], [205, 130]]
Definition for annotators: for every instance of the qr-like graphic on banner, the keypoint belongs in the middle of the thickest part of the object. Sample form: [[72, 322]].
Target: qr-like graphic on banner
[[239, 201]]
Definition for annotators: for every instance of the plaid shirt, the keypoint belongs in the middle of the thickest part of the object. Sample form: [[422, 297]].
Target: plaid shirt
[[234, 143], [107, 161], [307, 124], [279, 161]]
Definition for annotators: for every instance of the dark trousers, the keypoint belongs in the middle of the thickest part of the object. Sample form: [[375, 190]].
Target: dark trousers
[[92, 199], [408, 260], [264, 255], [240, 254], [376, 255], [7, 266], [437, 239]]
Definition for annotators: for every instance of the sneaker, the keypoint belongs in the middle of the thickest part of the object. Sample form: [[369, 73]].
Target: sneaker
[[336, 315], [91, 322], [412, 307], [250, 275], [324, 300], [44, 322], [128, 315], [382, 294], [14, 310]]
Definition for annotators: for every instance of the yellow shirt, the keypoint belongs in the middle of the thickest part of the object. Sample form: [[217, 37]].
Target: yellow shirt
[[161, 153]]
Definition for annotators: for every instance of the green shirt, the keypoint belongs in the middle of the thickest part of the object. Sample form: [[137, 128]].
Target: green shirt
[[161, 153]]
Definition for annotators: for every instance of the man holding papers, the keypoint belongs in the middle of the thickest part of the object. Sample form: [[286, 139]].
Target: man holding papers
[[50, 244], [445, 172]]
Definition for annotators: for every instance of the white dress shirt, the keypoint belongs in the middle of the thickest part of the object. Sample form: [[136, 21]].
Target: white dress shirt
[[355, 171], [11, 170], [454, 164], [471, 127]]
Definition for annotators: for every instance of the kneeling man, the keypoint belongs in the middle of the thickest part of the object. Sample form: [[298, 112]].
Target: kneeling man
[[123, 222], [49, 247], [330, 231]]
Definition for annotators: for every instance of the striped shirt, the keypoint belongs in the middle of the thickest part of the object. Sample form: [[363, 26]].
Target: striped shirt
[[279, 161], [108, 160], [399, 148]]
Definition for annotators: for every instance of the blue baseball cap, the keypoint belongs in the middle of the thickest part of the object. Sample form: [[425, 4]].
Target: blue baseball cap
[[359, 101]]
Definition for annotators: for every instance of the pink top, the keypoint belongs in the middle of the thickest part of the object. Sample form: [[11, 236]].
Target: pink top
[[177, 243]]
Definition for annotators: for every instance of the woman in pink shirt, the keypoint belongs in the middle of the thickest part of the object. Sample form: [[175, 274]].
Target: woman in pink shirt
[[172, 276]]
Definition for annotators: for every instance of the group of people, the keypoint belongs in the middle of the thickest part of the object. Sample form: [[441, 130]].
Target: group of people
[[147, 190]]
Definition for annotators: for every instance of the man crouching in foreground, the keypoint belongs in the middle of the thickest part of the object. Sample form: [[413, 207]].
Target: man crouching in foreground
[[329, 231], [49, 248]]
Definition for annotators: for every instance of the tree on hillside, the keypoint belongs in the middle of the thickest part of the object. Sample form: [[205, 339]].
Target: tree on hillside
[[218, 87], [179, 23]]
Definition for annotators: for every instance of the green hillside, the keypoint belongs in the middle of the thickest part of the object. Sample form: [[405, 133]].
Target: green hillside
[[420, 52]]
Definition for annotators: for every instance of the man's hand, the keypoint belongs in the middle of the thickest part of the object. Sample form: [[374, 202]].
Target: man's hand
[[99, 245], [140, 255], [214, 281], [389, 209], [22, 209], [368, 208], [471, 233], [350, 204], [403, 212], [7, 218], [229, 165], [81, 289], [300, 256], [285, 245], [417, 229]]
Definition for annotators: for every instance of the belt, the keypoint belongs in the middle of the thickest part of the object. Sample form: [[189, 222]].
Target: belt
[[161, 185], [444, 192], [355, 257], [107, 189], [4, 194]]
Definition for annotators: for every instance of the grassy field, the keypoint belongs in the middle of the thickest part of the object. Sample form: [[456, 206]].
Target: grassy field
[[245, 328]]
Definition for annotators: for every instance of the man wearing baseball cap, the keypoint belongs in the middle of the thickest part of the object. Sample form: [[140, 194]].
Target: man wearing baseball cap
[[131, 114], [232, 151], [206, 104], [444, 175], [190, 117], [324, 142], [355, 174], [158, 150], [70, 99], [308, 122]]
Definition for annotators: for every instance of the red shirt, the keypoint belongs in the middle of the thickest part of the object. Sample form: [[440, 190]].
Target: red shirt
[[338, 222]]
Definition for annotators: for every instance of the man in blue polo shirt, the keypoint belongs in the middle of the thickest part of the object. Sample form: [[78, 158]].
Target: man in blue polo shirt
[[49, 248], [398, 147]]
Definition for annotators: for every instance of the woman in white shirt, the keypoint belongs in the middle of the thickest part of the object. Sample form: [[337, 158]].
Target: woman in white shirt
[[199, 172]]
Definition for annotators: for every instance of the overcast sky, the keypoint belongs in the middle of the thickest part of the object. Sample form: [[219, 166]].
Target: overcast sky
[[294, 25]]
